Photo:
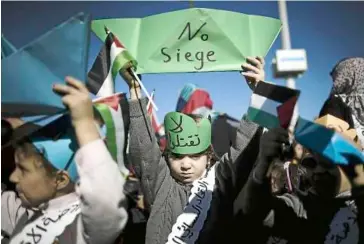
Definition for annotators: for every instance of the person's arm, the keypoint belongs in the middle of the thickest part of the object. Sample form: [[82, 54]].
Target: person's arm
[[144, 151], [11, 212], [100, 186], [236, 165], [103, 203]]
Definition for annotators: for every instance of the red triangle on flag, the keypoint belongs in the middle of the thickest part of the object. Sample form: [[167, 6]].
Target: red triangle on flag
[[285, 112], [112, 101], [117, 42]]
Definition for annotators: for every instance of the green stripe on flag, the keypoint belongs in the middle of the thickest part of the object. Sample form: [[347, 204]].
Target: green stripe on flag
[[263, 118], [110, 129], [120, 61]]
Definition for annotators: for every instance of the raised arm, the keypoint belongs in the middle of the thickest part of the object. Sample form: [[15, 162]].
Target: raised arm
[[100, 187], [103, 203], [236, 165], [144, 151]]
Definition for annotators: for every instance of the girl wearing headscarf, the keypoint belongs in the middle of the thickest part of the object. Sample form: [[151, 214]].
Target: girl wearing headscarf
[[348, 78]]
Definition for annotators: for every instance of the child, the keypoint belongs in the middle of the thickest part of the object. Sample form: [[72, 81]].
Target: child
[[185, 186], [65, 196]]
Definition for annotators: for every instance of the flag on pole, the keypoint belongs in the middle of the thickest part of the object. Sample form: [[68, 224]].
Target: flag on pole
[[194, 100], [112, 57], [272, 105], [157, 126], [114, 111]]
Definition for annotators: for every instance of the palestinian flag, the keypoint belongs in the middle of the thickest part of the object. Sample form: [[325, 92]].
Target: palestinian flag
[[193, 100], [114, 111], [111, 59], [272, 105], [157, 126]]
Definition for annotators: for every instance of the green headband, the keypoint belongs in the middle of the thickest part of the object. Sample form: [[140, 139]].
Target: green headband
[[185, 135]]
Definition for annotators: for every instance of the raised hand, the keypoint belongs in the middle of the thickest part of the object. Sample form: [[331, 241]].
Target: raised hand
[[128, 76], [75, 97], [253, 71]]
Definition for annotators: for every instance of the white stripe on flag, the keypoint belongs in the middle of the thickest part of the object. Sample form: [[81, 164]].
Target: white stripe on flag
[[108, 87], [264, 104], [120, 138], [203, 111]]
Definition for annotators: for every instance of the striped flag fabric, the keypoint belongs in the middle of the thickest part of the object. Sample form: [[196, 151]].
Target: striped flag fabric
[[272, 105], [157, 126], [194, 100], [114, 111], [112, 57]]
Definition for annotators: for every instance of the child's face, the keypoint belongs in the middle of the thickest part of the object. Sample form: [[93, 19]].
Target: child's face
[[187, 168], [34, 184]]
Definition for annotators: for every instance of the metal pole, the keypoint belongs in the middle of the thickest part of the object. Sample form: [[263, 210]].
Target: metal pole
[[286, 44], [286, 38]]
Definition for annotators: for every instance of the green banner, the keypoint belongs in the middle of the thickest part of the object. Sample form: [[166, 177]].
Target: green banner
[[192, 40]]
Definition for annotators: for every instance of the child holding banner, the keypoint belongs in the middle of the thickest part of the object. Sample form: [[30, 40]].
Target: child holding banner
[[184, 186], [47, 209]]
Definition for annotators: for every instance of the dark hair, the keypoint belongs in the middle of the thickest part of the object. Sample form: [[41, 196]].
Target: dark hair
[[29, 150], [209, 152], [6, 131]]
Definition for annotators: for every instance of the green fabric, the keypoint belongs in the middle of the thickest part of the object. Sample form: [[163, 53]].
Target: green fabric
[[192, 40], [120, 62], [110, 128], [185, 135], [263, 118]]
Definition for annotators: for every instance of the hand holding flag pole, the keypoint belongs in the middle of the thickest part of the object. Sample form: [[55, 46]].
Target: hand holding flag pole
[[144, 89], [131, 70]]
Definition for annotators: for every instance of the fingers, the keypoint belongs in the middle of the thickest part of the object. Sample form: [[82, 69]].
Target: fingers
[[250, 75], [256, 61], [76, 84], [63, 90], [127, 66], [249, 67], [261, 60], [72, 87]]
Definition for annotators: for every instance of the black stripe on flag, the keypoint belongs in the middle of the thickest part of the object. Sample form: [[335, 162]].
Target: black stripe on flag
[[275, 92], [101, 67]]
